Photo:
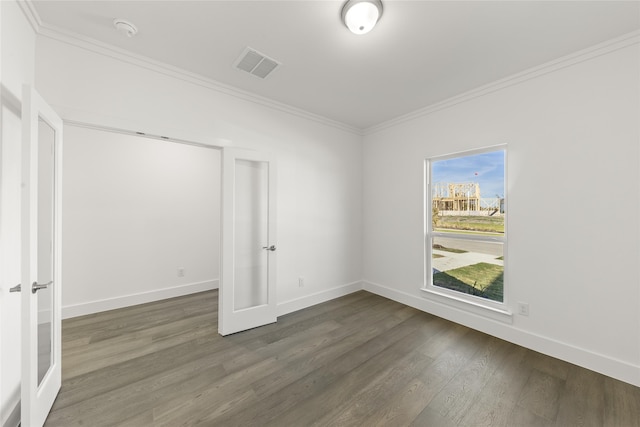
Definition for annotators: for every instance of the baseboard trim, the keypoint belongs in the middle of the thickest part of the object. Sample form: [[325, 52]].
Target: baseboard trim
[[603, 364], [135, 299], [296, 304]]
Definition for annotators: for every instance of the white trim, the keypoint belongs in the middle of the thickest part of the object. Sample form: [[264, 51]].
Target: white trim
[[599, 49], [285, 307], [606, 365], [135, 299], [76, 117], [142, 61], [31, 14], [318, 298], [140, 134], [497, 310], [459, 301], [162, 68]]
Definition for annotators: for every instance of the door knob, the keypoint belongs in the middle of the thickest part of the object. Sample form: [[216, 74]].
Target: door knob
[[16, 288], [36, 287], [269, 248]]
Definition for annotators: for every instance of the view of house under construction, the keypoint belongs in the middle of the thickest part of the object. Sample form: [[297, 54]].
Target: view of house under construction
[[459, 198]]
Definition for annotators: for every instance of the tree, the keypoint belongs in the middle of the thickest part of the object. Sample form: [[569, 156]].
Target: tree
[[435, 212]]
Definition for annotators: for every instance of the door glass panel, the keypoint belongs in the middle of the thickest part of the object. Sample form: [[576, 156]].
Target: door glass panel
[[46, 136], [251, 234]]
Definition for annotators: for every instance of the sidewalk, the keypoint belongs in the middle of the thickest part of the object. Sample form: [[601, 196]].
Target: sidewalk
[[451, 260]]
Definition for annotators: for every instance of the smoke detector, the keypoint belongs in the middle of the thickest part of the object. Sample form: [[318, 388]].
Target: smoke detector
[[125, 27]]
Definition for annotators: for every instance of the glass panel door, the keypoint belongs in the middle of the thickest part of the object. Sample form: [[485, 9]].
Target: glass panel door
[[247, 296], [41, 263]]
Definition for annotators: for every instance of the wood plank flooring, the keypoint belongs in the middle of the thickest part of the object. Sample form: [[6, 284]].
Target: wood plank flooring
[[357, 360]]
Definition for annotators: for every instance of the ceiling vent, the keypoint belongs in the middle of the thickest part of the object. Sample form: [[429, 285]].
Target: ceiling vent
[[256, 63]]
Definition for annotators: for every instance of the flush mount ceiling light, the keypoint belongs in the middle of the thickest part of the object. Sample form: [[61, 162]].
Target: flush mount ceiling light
[[360, 16], [125, 27]]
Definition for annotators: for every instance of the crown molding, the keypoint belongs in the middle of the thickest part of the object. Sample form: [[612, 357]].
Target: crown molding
[[595, 51], [31, 13], [114, 52], [142, 61]]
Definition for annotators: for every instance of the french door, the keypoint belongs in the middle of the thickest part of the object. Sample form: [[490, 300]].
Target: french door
[[247, 297], [41, 248]]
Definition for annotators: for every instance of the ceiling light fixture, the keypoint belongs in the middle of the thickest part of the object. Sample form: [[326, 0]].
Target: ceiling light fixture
[[125, 27], [360, 16]]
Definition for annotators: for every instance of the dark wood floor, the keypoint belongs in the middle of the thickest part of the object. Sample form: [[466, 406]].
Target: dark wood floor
[[356, 360]]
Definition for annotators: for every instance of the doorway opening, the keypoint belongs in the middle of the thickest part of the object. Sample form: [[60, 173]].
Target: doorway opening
[[141, 219]]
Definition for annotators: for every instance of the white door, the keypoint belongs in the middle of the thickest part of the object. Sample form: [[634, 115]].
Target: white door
[[41, 284], [247, 296]]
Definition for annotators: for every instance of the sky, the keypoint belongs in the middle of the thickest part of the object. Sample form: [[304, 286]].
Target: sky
[[486, 169]]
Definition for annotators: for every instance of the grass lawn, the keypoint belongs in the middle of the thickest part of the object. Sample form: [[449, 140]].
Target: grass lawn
[[471, 223], [434, 256], [482, 279]]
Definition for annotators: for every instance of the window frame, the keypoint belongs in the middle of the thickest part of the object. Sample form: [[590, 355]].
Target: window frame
[[471, 303]]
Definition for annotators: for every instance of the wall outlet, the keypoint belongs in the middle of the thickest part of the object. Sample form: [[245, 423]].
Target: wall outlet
[[523, 308], [180, 271], [301, 282]]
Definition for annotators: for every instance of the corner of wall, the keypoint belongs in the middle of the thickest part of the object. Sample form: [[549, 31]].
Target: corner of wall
[[296, 304]]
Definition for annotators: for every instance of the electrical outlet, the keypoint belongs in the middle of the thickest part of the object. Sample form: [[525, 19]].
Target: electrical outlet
[[301, 282], [523, 308], [180, 271]]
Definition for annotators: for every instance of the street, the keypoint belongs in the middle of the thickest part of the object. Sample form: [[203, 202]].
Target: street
[[490, 248]]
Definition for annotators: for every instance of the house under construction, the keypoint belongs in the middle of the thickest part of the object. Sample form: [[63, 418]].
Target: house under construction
[[456, 196]]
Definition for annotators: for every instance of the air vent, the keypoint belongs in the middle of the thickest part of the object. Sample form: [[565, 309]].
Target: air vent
[[256, 63]]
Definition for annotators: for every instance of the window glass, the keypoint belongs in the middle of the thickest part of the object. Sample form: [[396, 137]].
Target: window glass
[[466, 234]]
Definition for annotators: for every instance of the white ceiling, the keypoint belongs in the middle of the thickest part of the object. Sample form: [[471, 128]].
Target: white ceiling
[[420, 53]]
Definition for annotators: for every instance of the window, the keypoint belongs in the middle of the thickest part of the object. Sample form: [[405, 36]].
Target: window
[[465, 215]]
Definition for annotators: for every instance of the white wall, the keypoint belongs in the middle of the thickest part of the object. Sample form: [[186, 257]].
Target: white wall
[[319, 166], [18, 41], [573, 144], [135, 210]]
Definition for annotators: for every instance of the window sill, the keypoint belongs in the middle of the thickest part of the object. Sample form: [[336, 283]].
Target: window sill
[[504, 316]]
